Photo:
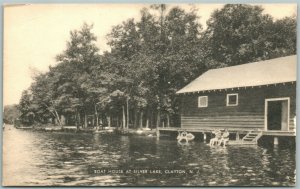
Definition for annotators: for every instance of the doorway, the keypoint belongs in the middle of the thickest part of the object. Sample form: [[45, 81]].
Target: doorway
[[277, 114]]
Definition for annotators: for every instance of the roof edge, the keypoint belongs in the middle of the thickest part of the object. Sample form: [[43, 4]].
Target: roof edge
[[178, 92]]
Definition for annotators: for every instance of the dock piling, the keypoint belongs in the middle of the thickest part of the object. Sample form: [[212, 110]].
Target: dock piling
[[157, 133], [237, 137], [204, 137], [276, 142]]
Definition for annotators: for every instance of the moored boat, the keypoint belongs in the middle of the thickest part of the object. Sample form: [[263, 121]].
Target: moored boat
[[185, 136]]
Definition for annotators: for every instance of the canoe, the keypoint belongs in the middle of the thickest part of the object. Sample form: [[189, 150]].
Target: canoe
[[185, 136]]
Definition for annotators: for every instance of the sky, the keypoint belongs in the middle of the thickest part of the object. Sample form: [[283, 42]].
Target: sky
[[34, 34]]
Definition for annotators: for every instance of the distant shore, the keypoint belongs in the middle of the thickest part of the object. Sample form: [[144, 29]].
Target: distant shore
[[117, 130]]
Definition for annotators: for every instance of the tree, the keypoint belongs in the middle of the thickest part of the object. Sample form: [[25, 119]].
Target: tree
[[11, 113], [25, 107], [77, 61], [42, 91], [151, 58], [240, 33], [160, 54], [281, 37]]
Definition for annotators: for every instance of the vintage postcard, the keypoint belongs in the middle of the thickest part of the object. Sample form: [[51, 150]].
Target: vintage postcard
[[149, 95]]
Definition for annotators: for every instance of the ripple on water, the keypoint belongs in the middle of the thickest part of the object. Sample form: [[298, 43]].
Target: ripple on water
[[64, 158], [141, 159], [105, 180]]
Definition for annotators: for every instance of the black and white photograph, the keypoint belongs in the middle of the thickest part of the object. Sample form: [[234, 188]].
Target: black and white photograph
[[169, 95]]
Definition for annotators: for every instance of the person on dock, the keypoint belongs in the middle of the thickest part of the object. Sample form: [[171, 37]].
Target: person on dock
[[217, 138], [225, 138]]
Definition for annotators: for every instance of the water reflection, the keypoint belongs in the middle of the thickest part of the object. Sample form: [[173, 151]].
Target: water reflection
[[39, 158]]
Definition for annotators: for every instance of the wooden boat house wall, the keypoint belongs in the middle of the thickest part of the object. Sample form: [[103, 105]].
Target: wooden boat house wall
[[253, 96]]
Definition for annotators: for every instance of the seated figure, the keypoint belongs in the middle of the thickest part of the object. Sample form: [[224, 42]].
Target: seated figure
[[224, 138], [217, 137]]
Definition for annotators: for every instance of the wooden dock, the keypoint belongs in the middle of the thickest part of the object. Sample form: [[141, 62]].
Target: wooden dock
[[240, 142], [231, 130], [250, 137]]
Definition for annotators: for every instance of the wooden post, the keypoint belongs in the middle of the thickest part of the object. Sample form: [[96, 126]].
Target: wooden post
[[157, 133], [276, 141], [237, 137]]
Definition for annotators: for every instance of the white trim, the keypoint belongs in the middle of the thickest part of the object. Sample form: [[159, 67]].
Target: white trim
[[199, 106], [237, 99], [266, 111]]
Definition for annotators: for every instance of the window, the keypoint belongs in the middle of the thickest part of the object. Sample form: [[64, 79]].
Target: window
[[232, 100], [202, 101]]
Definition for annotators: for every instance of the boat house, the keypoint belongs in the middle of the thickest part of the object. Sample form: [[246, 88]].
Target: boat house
[[259, 96]]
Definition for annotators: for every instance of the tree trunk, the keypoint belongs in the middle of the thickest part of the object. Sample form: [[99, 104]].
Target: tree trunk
[[63, 120], [127, 113], [85, 120], [158, 119], [115, 120], [101, 121], [79, 119], [108, 120], [76, 119], [147, 118], [135, 118], [57, 117], [147, 122], [151, 119], [141, 119], [55, 114], [67, 120], [124, 118], [96, 113], [168, 120]]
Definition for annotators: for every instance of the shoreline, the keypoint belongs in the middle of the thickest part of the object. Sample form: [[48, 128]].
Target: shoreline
[[115, 130]]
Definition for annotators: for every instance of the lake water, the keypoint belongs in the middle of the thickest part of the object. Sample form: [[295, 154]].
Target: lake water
[[70, 159]]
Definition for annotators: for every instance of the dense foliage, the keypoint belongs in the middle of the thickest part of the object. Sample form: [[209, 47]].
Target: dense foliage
[[239, 34], [134, 84], [11, 113]]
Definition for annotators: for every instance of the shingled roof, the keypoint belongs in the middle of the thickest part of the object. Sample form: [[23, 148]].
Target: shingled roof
[[279, 70]]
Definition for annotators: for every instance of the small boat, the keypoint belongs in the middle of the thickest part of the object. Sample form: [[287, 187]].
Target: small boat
[[185, 136], [146, 129], [100, 131], [139, 131], [151, 135], [53, 128], [109, 129], [104, 131]]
